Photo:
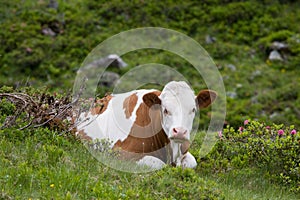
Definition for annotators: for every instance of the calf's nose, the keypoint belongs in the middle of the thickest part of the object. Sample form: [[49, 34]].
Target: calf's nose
[[179, 133]]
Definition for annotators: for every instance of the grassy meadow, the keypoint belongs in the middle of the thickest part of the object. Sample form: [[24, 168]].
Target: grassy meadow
[[256, 156], [43, 164]]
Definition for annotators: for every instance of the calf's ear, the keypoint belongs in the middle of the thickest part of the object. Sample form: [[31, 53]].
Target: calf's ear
[[205, 98], [151, 99]]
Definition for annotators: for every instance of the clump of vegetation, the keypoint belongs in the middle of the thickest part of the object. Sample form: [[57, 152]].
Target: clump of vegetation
[[34, 108], [275, 149]]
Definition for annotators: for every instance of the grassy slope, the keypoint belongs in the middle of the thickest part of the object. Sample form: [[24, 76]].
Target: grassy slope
[[244, 33], [41, 164]]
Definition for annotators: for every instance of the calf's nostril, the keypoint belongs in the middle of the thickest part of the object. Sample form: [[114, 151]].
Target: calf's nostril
[[174, 130]]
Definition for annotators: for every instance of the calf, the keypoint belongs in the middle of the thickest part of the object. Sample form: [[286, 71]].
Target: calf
[[150, 127]]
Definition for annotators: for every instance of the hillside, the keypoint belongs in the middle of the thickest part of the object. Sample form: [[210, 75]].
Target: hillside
[[255, 46], [44, 45]]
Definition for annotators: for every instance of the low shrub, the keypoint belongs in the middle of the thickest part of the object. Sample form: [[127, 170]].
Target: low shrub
[[275, 149]]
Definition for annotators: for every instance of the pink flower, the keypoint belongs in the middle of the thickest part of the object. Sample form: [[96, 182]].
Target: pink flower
[[268, 127], [246, 122], [293, 132], [241, 129], [220, 134], [280, 132]]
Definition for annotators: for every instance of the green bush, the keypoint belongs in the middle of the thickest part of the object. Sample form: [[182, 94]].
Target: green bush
[[275, 148], [236, 11], [6, 108]]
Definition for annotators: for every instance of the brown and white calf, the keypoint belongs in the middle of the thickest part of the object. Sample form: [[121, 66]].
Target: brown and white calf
[[150, 127]]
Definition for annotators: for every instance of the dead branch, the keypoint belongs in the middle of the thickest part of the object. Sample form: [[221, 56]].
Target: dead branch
[[39, 110]]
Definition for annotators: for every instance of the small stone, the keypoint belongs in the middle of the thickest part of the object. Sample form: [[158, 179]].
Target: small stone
[[48, 31], [231, 67], [231, 95], [53, 4], [279, 45], [109, 79], [275, 55], [117, 61], [209, 39], [111, 60]]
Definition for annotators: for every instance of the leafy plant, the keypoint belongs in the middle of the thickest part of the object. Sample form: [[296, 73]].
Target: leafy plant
[[274, 149]]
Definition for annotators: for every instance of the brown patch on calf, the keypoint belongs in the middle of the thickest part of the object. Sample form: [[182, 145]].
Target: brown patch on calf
[[146, 137], [143, 115], [101, 105], [129, 104], [134, 148]]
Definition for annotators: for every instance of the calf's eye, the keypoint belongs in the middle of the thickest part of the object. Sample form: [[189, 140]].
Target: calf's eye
[[166, 112], [194, 110]]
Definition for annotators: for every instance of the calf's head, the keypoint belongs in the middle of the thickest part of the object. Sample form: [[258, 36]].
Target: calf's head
[[178, 106]]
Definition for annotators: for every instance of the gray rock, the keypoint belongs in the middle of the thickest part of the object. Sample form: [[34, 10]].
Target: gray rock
[[209, 39], [53, 4], [117, 61], [275, 55], [231, 67], [231, 94], [48, 31], [279, 45], [112, 60], [109, 79]]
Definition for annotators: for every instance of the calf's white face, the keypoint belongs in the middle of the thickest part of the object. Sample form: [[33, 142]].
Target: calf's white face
[[178, 108]]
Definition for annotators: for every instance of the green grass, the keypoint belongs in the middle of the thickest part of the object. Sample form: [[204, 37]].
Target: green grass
[[42, 164], [250, 184]]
